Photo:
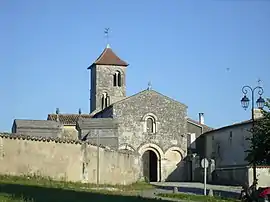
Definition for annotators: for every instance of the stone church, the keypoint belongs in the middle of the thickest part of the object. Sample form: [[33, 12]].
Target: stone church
[[147, 123]]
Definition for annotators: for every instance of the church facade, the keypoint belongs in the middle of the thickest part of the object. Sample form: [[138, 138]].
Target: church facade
[[148, 123]]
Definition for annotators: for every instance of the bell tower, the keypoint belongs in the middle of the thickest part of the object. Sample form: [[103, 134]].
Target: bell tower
[[108, 80]]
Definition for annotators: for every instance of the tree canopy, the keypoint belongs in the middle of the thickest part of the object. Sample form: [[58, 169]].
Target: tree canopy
[[260, 140]]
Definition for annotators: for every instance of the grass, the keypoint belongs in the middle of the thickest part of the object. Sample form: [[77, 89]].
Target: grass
[[193, 197], [39, 189], [48, 182]]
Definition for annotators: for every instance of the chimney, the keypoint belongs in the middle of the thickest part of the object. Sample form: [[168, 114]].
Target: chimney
[[257, 113], [80, 111], [57, 114], [201, 118]]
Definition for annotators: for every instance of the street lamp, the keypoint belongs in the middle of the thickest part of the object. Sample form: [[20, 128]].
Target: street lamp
[[260, 104]]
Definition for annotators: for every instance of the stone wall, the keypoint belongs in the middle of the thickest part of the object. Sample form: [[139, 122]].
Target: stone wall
[[102, 82], [230, 176], [263, 176], [241, 175], [169, 138], [66, 160], [169, 117]]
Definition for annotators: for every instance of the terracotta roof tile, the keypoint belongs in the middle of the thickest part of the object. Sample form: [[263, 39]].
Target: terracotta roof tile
[[108, 57], [67, 119]]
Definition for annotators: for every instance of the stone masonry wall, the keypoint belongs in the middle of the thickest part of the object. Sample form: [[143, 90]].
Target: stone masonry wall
[[242, 175], [171, 127], [102, 77], [69, 160], [169, 140], [263, 176]]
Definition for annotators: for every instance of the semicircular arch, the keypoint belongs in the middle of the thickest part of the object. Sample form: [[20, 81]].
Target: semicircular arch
[[152, 147], [177, 149], [149, 115]]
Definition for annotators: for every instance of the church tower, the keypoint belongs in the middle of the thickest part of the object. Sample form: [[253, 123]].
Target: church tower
[[108, 80]]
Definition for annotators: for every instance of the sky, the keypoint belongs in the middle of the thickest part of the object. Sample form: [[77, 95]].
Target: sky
[[200, 53]]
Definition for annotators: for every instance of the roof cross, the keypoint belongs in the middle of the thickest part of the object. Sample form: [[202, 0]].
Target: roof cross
[[149, 85]]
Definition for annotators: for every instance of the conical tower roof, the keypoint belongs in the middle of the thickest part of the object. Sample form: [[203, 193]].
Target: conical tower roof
[[108, 57]]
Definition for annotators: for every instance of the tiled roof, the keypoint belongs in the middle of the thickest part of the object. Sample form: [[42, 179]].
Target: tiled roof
[[266, 166], [67, 119], [108, 57], [205, 127], [45, 124]]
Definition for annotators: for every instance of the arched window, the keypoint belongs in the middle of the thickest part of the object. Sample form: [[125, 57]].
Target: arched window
[[150, 125], [105, 100], [149, 121], [117, 79]]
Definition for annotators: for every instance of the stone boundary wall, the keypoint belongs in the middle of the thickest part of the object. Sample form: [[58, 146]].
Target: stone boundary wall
[[241, 175], [68, 160], [263, 176], [230, 176]]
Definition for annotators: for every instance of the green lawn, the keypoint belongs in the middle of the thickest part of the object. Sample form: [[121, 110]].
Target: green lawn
[[36, 189], [194, 198]]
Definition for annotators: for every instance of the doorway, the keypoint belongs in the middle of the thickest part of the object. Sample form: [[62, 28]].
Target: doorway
[[150, 166]]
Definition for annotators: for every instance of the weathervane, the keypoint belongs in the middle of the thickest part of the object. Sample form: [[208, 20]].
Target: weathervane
[[106, 32]]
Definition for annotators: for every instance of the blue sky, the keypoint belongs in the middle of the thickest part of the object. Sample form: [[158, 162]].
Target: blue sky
[[184, 47]]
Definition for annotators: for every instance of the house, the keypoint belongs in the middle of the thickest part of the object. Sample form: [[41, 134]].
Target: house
[[227, 146]]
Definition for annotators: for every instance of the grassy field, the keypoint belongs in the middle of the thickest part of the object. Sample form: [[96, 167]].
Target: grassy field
[[195, 198], [37, 189]]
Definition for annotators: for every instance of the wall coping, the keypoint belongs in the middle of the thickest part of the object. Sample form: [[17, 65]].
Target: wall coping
[[240, 167], [14, 136]]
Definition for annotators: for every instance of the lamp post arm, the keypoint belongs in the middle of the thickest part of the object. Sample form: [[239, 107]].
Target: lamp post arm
[[260, 92], [246, 88]]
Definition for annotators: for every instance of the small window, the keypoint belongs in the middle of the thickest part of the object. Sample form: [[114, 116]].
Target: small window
[[114, 80], [149, 121], [230, 138], [150, 125], [105, 100], [218, 149], [117, 79]]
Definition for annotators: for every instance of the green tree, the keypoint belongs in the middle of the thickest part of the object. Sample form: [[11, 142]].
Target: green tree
[[260, 140]]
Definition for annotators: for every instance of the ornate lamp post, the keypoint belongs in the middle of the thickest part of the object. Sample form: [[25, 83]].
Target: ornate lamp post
[[260, 104]]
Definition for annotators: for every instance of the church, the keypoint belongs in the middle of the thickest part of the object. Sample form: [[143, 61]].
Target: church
[[147, 123]]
